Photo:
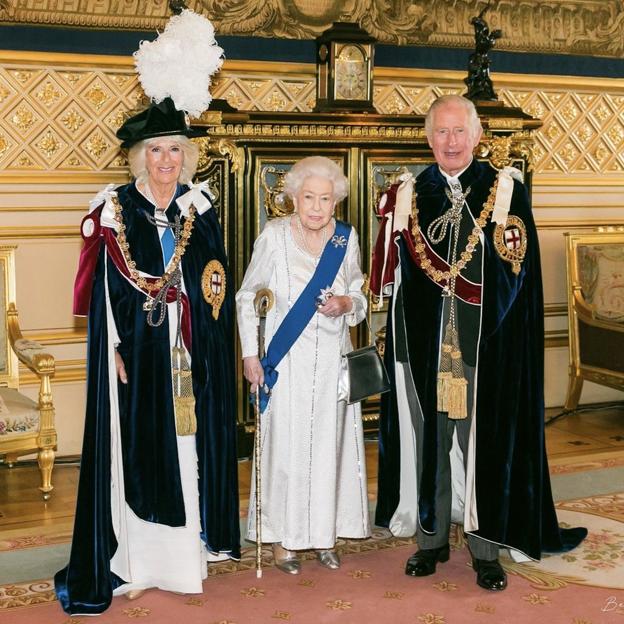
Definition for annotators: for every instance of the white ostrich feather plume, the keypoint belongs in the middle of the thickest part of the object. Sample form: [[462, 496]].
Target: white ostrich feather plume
[[180, 62]]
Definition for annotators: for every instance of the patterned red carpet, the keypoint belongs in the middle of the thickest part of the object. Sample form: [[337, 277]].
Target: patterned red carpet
[[582, 587]]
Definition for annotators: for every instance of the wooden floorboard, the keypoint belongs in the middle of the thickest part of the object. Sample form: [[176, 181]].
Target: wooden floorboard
[[23, 512]]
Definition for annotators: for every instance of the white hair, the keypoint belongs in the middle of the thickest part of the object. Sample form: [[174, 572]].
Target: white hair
[[136, 158], [474, 122], [316, 166]]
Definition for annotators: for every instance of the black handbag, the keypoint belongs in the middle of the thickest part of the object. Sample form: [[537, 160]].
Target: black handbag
[[367, 374]]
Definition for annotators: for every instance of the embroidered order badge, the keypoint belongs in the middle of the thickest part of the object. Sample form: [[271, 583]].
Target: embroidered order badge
[[510, 241], [213, 286]]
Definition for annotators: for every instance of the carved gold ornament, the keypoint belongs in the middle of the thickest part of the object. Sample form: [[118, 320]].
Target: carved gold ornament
[[213, 284], [510, 241], [222, 147], [3, 145], [49, 94], [548, 26], [276, 203], [23, 118]]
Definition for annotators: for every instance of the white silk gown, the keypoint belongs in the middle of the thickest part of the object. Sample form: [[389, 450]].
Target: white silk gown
[[312, 444]]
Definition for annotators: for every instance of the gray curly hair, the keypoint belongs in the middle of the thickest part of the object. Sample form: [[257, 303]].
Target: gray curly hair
[[316, 166]]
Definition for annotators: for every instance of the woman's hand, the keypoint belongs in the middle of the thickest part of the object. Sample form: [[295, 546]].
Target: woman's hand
[[121, 369], [253, 371], [336, 306]]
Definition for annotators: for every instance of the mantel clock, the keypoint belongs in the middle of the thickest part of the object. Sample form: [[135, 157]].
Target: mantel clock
[[344, 69]]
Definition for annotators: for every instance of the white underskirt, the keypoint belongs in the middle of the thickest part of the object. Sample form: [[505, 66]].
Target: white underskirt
[[170, 558]]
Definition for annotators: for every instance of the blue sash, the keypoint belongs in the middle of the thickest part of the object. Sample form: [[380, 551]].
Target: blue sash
[[304, 309]]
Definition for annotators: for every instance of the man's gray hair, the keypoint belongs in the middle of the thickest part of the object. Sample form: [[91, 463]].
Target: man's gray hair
[[316, 166], [474, 123], [136, 158]]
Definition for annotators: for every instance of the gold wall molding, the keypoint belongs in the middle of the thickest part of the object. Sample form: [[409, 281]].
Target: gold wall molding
[[76, 335], [577, 224], [59, 113], [39, 231], [556, 339], [549, 26], [556, 309]]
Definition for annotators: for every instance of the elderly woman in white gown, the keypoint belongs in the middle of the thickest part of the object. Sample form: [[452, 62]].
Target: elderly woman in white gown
[[312, 448]]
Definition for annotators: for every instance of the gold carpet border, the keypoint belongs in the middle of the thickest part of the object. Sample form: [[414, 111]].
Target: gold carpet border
[[18, 595], [59, 112], [589, 27]]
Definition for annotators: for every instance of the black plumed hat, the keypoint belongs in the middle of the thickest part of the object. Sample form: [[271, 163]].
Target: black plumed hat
[[158, 120]]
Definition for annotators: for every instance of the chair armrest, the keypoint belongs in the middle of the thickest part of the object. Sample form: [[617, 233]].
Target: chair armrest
[[28, 352], [587, 313]]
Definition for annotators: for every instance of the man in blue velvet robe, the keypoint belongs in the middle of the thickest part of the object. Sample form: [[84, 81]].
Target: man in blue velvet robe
[[462, 432]]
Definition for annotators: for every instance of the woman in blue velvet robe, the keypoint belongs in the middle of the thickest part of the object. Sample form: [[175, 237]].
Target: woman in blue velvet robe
[[153, 504]]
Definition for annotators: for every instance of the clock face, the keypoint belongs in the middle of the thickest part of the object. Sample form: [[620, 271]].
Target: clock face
[[351, 74]]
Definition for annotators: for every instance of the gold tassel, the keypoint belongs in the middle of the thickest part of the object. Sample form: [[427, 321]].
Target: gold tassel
[[186, 421], [183, 399], [457, 396], [444, 372], [443, 381]]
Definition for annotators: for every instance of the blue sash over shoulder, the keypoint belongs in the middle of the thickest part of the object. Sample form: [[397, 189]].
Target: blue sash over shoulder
[[304, 309]]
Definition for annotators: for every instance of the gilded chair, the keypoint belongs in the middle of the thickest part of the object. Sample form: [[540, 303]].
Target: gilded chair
[[26, 426], [595, 268]]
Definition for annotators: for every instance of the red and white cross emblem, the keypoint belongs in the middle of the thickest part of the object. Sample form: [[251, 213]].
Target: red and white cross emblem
[[215, 283], [513, 238]]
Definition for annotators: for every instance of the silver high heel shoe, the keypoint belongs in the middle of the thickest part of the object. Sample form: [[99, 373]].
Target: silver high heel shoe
[[134, 594], [328, 559], [286, 560]]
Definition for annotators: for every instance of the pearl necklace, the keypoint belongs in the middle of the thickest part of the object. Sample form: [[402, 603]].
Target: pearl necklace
[[305, 242]]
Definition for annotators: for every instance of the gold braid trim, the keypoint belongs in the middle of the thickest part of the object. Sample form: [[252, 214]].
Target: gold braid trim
[[180, 248], [466, 256]]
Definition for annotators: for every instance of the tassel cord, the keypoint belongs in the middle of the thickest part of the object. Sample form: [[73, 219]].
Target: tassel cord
[[452, 385]]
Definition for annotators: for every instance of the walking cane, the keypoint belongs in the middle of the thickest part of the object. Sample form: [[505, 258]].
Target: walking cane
[[263, 302]]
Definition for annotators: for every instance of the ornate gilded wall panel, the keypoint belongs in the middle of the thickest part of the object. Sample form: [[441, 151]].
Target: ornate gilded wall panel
[[63, 119], [60, 116], [553, 26]]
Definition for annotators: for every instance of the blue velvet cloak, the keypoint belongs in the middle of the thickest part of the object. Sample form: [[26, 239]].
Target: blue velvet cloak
[[513, 493], [150, 460]]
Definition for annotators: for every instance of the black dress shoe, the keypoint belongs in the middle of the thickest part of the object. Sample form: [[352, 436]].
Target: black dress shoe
[[490, 574], [423, 562]]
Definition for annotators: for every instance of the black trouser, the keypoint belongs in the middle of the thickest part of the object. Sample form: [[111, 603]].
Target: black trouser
[[480, 548]]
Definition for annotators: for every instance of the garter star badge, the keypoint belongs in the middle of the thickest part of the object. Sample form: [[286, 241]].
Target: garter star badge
[[510, 241], [213, 286]]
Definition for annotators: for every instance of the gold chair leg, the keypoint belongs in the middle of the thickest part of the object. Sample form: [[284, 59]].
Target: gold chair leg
[[45, 459], [575, 385]]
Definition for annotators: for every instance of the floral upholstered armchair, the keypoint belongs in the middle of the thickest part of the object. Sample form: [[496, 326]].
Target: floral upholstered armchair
[[26, 426], [595, 311]]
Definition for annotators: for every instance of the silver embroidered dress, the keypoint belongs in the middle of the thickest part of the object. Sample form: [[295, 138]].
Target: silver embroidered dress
[[313, 464]]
